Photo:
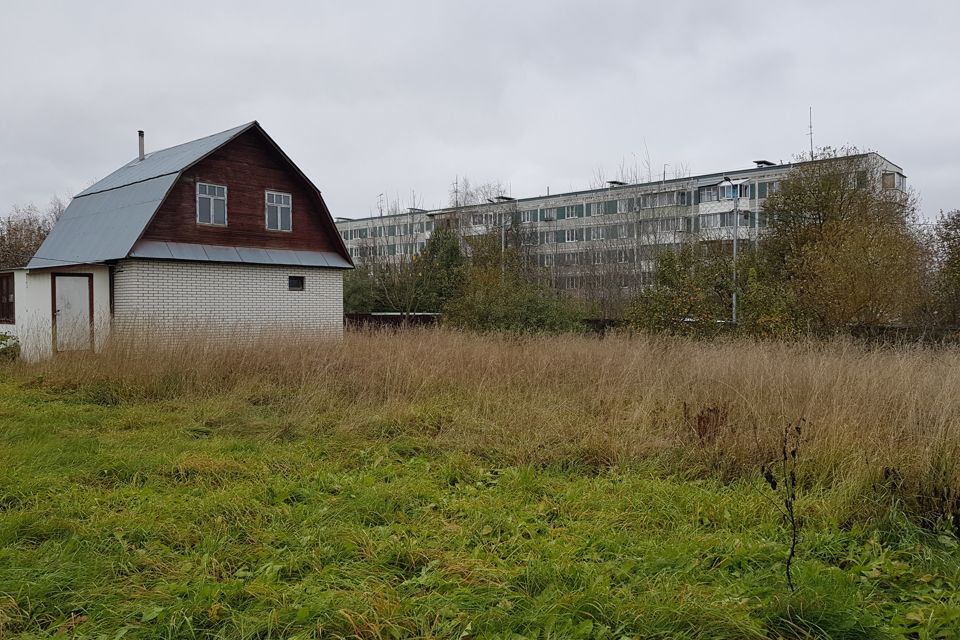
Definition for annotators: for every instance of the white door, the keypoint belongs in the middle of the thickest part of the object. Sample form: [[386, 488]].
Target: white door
[[72, 321]]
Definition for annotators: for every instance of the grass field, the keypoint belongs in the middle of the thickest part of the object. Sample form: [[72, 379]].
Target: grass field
[[440, 485]]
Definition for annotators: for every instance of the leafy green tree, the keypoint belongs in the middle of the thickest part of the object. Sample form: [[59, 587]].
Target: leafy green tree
[[440, 268], [947, 252], [692, 294], [497, 295], [359, 292], [842, 245]]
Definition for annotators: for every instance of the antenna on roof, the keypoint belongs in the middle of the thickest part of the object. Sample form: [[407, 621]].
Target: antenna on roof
[[140, 136], [811, 133]]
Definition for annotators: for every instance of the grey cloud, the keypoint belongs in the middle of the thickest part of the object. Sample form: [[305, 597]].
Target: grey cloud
[[387, 97]]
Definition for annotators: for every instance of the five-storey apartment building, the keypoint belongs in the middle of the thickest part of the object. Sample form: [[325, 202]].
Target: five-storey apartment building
[[598, 243]]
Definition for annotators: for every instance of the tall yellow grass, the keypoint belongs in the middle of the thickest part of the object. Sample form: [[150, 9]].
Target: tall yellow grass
[[888, 414]]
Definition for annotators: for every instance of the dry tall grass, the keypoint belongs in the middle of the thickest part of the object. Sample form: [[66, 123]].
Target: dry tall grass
[[882, 416]]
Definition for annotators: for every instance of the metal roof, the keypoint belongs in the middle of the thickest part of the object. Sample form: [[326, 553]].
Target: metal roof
[[105, 221], [102, 226], [165, 162], [160, 250]]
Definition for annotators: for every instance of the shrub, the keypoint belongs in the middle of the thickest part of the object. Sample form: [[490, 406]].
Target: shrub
[[9, 347]]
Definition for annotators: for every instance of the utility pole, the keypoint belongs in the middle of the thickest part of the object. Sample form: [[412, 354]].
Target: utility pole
[[736, 232], [503, 245]]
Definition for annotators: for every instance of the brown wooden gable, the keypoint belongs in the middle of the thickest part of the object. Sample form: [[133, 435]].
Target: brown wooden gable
[[248, 165]]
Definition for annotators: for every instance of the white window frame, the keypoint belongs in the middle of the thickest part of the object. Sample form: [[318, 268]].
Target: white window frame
[[226, 216], [570, 235], [266, 205]]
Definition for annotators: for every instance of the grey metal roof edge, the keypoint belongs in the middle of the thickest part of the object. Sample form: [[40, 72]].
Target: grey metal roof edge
[[64, 264], [339, 267], [189, 252]]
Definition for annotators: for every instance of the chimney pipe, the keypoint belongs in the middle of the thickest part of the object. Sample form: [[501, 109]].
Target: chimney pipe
[[140, 135]]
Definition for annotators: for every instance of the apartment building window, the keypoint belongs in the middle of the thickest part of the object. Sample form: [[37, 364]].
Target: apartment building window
[[670, 224], [211, 204], [279, 211], [894, 180], [708, 194], [683, 198], [529, 215], [766, 189], [731, 191], [621, 256], [710, 221]]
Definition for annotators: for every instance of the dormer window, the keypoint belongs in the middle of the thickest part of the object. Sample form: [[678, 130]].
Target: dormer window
[[279, 211], [211, 204]]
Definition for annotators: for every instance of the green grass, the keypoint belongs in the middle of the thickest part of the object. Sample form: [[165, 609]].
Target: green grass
[[192, 518]]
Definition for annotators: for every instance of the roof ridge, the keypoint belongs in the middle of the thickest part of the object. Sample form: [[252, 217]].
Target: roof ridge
[[195, 140], [166, 161]]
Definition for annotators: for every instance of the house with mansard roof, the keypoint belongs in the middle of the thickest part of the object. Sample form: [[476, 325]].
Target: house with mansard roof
[[224, 235]]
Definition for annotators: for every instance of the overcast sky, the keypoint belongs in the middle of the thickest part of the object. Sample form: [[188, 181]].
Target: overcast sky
[[394, 97]]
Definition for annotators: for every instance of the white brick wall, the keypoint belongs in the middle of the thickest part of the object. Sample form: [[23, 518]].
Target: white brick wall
[[224, 299]]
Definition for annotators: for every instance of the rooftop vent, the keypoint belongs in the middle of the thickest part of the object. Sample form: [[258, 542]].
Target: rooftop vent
[[140, 137], [763, 163], [616, 183]]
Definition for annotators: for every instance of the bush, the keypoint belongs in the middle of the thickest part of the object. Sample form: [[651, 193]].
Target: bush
[[493, 302], [9, 347]]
